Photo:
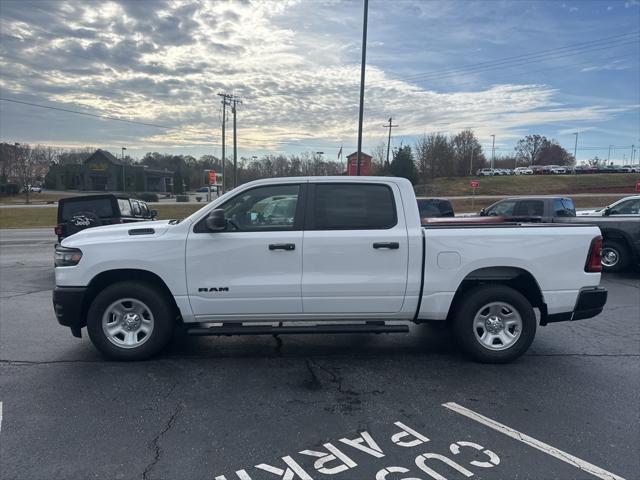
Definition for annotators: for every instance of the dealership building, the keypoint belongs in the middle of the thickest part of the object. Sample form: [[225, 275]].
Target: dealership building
[[104, 172]]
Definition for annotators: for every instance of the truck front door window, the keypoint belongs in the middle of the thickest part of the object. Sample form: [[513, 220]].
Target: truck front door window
[[263, 208]]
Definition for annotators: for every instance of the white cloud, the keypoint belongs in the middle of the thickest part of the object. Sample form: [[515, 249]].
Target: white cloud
[[165, 62]]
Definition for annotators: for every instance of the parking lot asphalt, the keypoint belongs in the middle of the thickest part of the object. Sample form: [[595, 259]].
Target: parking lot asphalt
[[297, 406]]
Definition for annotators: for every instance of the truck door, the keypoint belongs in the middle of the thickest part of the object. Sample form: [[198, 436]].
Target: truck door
[[255, 266], [355, 249]]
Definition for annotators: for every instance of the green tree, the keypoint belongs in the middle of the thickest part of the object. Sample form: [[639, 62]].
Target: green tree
[[403, 164]]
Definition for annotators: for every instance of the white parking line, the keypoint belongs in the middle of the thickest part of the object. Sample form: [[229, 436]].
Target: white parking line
[[548, 449]]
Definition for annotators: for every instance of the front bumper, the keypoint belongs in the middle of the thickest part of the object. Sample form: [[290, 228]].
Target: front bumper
[[68, 303], [590, 303]]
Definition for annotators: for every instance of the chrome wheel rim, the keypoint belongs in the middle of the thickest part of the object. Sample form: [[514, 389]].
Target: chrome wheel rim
[[127, 323], [610, 257], [497, 326]]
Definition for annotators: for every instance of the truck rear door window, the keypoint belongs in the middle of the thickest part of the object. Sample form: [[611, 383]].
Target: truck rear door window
[[530, 208], [353, 207]]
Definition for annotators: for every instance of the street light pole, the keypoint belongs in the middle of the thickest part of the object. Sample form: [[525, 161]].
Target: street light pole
[[575, 148], [124, 181], [493, 151], [609, 156], [471, 161], [362, 71]]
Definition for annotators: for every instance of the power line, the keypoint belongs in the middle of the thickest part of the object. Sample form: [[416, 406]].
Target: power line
[[506, 62], [539, 53], [106, 117]]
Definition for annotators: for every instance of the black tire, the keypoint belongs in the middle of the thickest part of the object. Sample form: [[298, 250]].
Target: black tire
[[615, 256], [472, 305], [159, 306]]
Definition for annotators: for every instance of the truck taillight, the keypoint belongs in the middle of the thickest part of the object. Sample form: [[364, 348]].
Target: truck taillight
[[593, 259], [59, 229]]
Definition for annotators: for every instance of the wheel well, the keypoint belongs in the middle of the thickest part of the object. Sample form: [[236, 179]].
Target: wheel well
[[615, 235], [514, 277], [104, 279]]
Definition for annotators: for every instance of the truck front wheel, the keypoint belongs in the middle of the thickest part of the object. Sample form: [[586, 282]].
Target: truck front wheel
[[494, 323], [130, 321]]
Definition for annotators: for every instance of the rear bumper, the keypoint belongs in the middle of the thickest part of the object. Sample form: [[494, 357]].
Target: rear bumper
[[68, 305], [590, 303]]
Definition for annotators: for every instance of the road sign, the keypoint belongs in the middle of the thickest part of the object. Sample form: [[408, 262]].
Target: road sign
[[475, 184], [212, 177], [637, 186]]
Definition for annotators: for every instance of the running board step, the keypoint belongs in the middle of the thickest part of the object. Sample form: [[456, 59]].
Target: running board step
[[285, 330]]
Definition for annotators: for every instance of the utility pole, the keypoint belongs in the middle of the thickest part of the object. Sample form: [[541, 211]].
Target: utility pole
[[471, 161], [633, 153], [235, 144], [390, 126], [575, 148], [493, 151], [124, 182], [362, 70], [225, 101]]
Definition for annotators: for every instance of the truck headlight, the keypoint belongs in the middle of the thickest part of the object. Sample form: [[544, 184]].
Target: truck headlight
[[67, 257]]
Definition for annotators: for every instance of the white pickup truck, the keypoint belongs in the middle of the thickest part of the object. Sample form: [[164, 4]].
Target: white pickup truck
[[323, 255]]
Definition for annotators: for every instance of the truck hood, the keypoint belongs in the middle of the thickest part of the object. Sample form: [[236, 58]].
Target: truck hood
[[112, 233]]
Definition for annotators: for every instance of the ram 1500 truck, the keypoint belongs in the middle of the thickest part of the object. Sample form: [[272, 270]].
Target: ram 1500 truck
[[323, 255]]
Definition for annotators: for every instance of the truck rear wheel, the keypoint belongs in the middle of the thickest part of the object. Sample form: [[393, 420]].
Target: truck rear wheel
[[494, 323], [615, 256], [130, 321]]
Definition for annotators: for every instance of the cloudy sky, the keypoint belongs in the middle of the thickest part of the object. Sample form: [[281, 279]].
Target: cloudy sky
[[507, 68]]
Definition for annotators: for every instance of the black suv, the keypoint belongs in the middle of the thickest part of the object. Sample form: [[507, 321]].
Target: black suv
[[78, 213]]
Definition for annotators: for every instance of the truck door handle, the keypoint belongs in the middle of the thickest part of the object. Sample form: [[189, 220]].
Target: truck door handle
[[282, 246], [389, 245]]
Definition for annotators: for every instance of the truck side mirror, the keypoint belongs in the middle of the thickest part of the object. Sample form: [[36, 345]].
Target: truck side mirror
[[607, 211], [483, 213], [215, 220]]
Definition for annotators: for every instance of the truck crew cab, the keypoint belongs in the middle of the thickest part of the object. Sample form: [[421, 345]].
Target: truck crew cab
[[333, 255]]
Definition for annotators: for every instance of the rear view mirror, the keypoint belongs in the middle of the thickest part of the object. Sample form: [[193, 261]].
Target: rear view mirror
[[607, 211], [483, 213], [215, 221]]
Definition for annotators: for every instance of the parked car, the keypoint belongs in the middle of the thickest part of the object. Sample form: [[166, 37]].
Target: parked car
[[32, 188], [523, 171], [486, 172], [354, 258], [557, 170], [621, 233], [630, 169], [582, 169], [87, 211], [434, 208]]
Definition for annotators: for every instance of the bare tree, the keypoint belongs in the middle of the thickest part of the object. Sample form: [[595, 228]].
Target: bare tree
[[28, 161], [530, 147]]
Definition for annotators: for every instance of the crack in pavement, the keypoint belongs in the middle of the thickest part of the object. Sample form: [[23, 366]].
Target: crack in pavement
[[24, 293], [154, 443], [29, 363]]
